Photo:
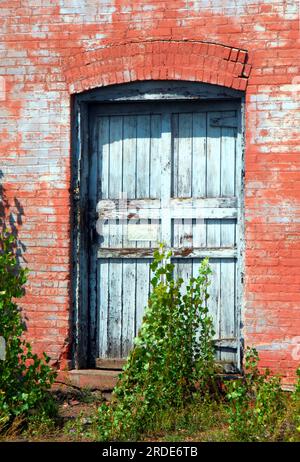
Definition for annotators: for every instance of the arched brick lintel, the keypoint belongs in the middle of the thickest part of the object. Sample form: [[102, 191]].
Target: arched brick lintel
[[158, 60]]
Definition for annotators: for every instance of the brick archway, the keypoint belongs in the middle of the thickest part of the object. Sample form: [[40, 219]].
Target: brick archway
[[158, 60]]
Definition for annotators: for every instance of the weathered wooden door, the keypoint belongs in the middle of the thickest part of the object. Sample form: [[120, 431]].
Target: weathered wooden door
[[163, 172]]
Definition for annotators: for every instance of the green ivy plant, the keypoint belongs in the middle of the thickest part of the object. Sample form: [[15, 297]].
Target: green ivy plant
[[296, 399], [256, 402], [173, 354], [24, 377]]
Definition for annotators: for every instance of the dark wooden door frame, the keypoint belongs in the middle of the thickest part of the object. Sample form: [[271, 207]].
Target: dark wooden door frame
[[81, 338]]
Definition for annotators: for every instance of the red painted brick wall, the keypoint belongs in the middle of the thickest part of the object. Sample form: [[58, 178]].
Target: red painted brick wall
[[50, 49]]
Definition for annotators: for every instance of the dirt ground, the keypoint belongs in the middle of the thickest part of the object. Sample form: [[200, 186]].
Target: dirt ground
[[76, 421], [76, 409]]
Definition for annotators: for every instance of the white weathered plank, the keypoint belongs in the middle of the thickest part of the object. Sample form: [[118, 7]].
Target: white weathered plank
[[142, 290], [103, 265], [115, 240], [155, 156], [228, 162], [103, 153], [199, 155], [103, 302], [184, 270], [129, 157], [128, 265], [93, 188], [115, 309], [228, 233], [184, 172], [240, 241], [175, 202], [228, 305], [143, 156], [155, 160], [213, 238], [185, 159], [228, 290], [185, 163], [129, 173], [214, 296], [179, 213], [179, 252], [142, 191], [176, 223], [214, 302], [128, 305], [213, 158], [199, 175], [165, 179]]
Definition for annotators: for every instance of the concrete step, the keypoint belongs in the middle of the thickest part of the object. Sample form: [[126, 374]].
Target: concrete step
[[96, 379]]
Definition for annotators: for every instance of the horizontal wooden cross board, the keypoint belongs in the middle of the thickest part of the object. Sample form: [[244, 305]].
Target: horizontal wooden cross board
[[184, 252]]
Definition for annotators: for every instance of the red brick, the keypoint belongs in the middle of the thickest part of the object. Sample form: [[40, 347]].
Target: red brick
[[234, 54]]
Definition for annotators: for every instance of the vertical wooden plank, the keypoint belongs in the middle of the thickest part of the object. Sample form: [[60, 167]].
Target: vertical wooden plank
[[115, 239], [176, 223], [143, 156], [129, 166], [128, 305], [228, 318], [239, 151], [213, 232], [103, 265], [103, 303], [213, 157], [155, 160], [129, 155], [142, 290], [199, 154], [175, 148], [214, 240], [228, 233], [213, 237], [184, 188], [142, 191], [165, 179], [228, 266], [214, 296], [228, 289], [185, 155], [199, 173], [93, 240], [227, 162], [103, 154], [155, 153], [129, 265], [115, 160]]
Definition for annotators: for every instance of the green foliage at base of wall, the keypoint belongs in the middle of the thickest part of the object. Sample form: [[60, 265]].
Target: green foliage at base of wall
[[259, 409], [24, 377], [172, 358]]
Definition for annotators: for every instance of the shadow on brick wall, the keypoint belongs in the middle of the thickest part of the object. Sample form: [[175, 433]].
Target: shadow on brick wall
[[11, 219]]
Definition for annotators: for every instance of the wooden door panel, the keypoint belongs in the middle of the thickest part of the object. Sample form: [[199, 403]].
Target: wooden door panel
[[178, 171]]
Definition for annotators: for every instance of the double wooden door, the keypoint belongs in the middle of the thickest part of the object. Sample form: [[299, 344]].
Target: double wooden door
[[162, 172]]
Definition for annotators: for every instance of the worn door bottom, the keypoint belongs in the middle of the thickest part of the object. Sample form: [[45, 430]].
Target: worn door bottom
[[116, 364]]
